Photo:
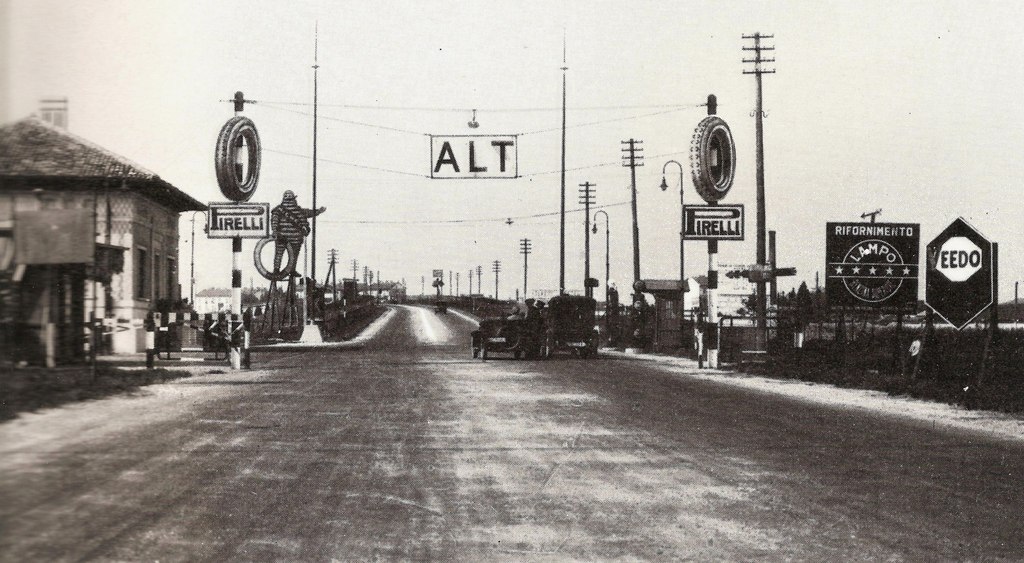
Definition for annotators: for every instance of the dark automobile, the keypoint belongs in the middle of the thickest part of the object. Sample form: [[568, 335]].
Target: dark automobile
[[518, 335], [570, 325], [441, 307]]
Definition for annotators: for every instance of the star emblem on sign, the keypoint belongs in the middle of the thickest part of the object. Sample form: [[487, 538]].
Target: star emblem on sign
[[873, 270]]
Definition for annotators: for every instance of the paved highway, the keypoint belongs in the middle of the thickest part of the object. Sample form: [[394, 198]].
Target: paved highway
[[409, 449]]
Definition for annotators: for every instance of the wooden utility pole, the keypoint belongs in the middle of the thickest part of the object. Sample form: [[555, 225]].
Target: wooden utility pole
[[586, 198], [633, 159], [758, 70], [525, 247], [496, 267]]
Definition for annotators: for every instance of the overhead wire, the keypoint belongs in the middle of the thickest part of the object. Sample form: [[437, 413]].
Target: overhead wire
[[521, 133], [505, 219], [482, 109]]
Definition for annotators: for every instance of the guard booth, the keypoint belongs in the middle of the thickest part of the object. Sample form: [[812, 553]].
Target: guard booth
[[668, 332]]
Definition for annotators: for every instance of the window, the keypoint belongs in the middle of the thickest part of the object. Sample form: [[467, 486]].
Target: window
[[172, 279], [157, 278], [141, 274]]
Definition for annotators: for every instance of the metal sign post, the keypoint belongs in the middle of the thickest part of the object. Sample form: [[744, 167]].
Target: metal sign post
[[713, 169], [237, 165]]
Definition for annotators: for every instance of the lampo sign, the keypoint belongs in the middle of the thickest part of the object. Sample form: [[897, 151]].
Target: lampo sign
[[872, 265]]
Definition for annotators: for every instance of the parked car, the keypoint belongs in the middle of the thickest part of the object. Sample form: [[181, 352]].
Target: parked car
[[570, 324], [441, 307]]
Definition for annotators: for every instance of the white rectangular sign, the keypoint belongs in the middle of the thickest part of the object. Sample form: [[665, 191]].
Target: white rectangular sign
[[474, 156], [713, 222], [244, 220]]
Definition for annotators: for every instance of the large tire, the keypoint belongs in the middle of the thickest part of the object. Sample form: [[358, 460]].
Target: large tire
[[278, 275], [712, 180], [237, 129]]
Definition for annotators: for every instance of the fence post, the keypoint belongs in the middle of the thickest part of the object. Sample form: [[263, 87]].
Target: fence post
[[246, 352], [150, 340]]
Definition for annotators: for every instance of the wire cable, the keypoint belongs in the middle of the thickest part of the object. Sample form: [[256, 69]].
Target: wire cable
[[462, 221], [363, 166]]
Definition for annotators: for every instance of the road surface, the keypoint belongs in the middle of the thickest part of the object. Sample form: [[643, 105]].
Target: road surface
[[409, 449]]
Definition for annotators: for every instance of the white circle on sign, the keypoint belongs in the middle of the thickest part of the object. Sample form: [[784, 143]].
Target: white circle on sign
[[958, 259]]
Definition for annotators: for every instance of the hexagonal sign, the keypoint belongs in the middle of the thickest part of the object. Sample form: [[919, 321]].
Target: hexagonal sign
[[959, 276]]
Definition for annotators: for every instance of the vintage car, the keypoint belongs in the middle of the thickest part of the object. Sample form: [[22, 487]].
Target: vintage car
[[570, 325], [520, 335], [441, 307]]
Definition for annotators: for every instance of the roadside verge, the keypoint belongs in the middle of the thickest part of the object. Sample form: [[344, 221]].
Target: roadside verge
[[932, 414]]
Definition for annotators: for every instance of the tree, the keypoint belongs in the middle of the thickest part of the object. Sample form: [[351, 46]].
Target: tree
[[804, 305]]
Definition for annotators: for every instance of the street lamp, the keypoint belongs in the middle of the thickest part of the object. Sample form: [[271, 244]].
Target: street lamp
[[192, 264], [682, 246], [607, 264]]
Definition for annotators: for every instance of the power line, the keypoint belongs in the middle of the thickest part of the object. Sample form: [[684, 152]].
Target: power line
[[613, 120], [458, 221], [484, 109], [350, 122], [599, 165], [533, 132], [392, 171], [379, 169]]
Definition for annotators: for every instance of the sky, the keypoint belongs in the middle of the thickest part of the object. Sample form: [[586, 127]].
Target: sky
[[908, 107]]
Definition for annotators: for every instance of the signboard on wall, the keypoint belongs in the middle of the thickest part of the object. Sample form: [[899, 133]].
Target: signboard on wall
[[54, 236], [474, 156], [872, 265]]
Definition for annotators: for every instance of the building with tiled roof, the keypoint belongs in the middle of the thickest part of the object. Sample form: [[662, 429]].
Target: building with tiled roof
[[82, 230]]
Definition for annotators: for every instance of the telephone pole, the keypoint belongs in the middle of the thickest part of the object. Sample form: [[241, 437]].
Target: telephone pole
[[525, 248], [471, 281], [632, 160], [561, 246], [316, 69], [479, 279], [331, 273], [496, 266], [759, 61], [355, 269], [587, 196]]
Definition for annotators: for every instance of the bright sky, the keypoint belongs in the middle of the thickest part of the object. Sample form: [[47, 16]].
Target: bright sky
[[911, 107]]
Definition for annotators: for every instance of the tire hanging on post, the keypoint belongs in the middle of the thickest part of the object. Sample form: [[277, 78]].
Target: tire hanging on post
[[712, 158], [237, 129]]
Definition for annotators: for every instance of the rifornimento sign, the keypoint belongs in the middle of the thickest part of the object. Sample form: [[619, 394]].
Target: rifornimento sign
[[872, 265]]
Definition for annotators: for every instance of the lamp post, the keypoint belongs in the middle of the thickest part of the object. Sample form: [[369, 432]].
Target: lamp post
[[607, 264], [682, 245], [192, 263]]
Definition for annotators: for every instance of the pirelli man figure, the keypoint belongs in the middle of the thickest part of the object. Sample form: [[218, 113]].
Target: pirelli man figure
[[290, 225]]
